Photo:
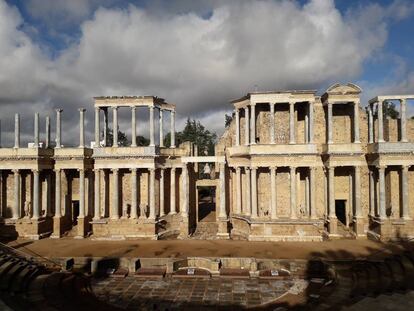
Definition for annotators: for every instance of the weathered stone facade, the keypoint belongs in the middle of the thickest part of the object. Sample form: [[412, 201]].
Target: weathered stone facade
[[291, 166]]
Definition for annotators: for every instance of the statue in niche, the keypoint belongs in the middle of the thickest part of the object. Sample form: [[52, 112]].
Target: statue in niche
[[27, 209], [125, 210], [143, 211]]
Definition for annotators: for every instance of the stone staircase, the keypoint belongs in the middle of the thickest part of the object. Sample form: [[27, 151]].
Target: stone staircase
[[205, 231], [345, 232]]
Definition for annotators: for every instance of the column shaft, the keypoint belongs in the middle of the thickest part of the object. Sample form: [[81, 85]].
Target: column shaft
[[58, 207], [403, 118], [292, 123], [237, 116], [381, 173], [162, 181], [184, 207], [312, 193], [97, 193], [371, 192], [47, 145], [404, 191], [331, 193], [115, 126], [357, 191], [253, 124], [293, 192], [370, 125], [238, 191], [272, 123], [356, 122], [36, 210], [172, 192], [152, 194], [106, 126], [307, 192], [311, 122], [161, 129], [81, 193], [273, 191], [222, 179], [16, 130], [330, 123], [172, 129], [248, 192], [115, 197], [254, 192], [152, 131], [246, 126], [36, 130], [133, 127], [97, 127], [380, 122], [16, 206], [81, 128], [134, 189]]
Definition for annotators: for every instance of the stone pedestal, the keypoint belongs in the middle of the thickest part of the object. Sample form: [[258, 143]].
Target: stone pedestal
[[223, 230], [34, 229], [359, 227], [57, 228], [332, 225], [184, 228], [83, 227]]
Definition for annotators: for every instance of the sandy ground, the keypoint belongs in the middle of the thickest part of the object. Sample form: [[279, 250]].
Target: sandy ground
[[341, 249]]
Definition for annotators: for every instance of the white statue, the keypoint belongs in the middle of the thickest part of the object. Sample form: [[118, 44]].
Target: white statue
[[125, 210], [27, 209]]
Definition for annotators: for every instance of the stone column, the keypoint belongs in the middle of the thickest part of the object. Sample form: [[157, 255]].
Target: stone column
[[184, 207], [381, 173], [97, 127], [330, 123], [106, 126], [248, 191], [58, 128], [97, 193], [237, 116], [404, 192], [371, 192], [152, 194], [36, 130], [292, 123], [172, 129], [115, 126], [238, 191], [47, 145], [246, 126], [311, 122], [312, 193], [36, 209], [357, 191], [307, 193], [133, 127], [380, 122], [115, 197], [253, 124], [356, 122], [254, 192], [331, 192], [162, 205], [58, 207], [293, 192], [370, 125], [152, 131], [403, 118], [161, 128], [134, 189], [273, 202], [16, 206], [173, 210], [272, 123], [222, 180], [16, 130], [81, 193], [81, 128], [306, 127]]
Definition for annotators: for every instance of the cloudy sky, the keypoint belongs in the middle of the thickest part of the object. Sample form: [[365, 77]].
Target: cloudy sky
[[197, 54]]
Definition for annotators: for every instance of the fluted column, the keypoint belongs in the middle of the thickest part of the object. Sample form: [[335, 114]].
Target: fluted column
[[356, 122], [81, 193], [16, 130], [152, 193], [47, 144], [97, 127], [152, 131], [292, 123], [58, 207], [133, 127], [248, 192], [161, 128], [381, 179], [59, 128], [380, 122], [330, 123], [36, 209], [172, 129], [370, 125], [81, 128], [162, 203], [307, 193], [238, 191], [404, 192], [312, 193], [106, 126], [115, 192], [254, 192], [273, 202], [134, 189], [222, 184], [272, 123], [253, 124], [371, 192], [36, 130], [97, 193], [246, 126], [357, 191], [293, 192], [331, 193], [403, 118], [16, 205], [115, 126], [311, 122], [172, 192], [185, 192], [237, 116]]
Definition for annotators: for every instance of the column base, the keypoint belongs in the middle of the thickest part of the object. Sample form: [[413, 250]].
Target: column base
[[332, 225], [57, 228], [83, 228], [184, 229], [359, 227], [223, 229]]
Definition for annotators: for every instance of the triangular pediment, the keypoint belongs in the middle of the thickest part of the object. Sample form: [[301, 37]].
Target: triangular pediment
[[343, 89]]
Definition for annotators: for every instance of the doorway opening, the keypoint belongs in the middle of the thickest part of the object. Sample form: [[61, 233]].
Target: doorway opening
[[206, 205], [340, 210]]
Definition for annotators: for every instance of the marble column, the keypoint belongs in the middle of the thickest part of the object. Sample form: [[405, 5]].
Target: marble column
[[16, 130], [238, 191], [152, 130], [16, 205], [312, 171], [357, 191], [161, 121], [36, 130], [162, 182], [292, 123], [134, 189], [253, 124], [370, 125], [330, 123], [255, 213], [273, 198], [58, 206], [237, 116], [403, 118], [381, 179], [380, 122], [133, 127], [152, 193], [293, 193], [307, 193], [58, 128], [106, 126], [404, 192], [185, 192], [371, 192], [272, 123], [331, 192], [81, 128], [36, 209], [246, 126], [97, 127], [115, 126], [356, 122], [222, 184], [248, 192], [47, 144], [97, 194], [172, 129], [81, 193], [115, 193], [311, 122], [173, 210]]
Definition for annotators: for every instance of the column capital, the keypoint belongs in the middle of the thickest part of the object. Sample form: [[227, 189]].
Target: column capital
[[381, 167], [403, 101], [15, 171], [356, 102], [36, 170], [405, 167], [57, 170], [133, 107], [80, 170], [273, 167], [114, 107], [59, 110], [292, 102], [238, 168], [82, 109], [133, 169]]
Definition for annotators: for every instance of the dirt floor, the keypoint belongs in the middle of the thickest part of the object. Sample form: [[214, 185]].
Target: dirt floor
[[341, 249]]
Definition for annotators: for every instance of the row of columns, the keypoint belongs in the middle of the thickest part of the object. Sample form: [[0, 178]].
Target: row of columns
[[356, 122], [250, 124], [251, 207], [133, 126]]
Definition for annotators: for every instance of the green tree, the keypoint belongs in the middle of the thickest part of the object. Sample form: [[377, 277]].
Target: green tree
[[227, 120], [122, 138], [142, 141], [390, 111]]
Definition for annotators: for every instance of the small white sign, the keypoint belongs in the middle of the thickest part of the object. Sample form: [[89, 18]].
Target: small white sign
[[274, 272], [190, 271]]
